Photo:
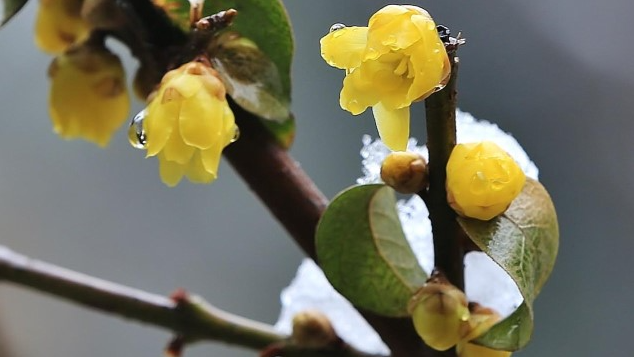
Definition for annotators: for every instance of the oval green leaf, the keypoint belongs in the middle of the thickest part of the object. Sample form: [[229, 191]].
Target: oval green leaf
[[362, 250], [524, 242], [266, 23], [10, 8]]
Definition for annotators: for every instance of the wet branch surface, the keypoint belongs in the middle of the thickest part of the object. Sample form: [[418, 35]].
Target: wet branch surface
[[440, 109]]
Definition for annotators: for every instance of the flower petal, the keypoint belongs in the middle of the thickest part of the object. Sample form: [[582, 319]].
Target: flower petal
[[171, 172], [175, 148], [196, 171], [200, 120], [393, 126], [186, 84], [159, 124], [343, 48]]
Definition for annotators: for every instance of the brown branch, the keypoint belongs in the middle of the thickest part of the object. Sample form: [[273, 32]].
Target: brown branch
[[191, 317], [441, 138]]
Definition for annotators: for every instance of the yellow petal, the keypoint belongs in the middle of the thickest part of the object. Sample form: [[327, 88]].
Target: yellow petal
[[159, 124], [196, 171], [186, 84], [359, 92], [58, 26], [200, 120], [171, 172], [343, 48], [211, 158], [175, 148], [393, 126]]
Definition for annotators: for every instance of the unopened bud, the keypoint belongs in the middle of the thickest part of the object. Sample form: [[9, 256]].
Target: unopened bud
[[482, 180], [312, 329], [440, 313], [406, 172]]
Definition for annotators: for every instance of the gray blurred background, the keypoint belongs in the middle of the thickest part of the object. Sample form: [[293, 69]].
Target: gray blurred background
[[558, 74]]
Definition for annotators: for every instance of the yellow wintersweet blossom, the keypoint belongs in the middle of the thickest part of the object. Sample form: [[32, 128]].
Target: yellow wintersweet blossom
[[398, 59], [59, 25], [440, 314], [188, 124], [88, 97], [482, 180]]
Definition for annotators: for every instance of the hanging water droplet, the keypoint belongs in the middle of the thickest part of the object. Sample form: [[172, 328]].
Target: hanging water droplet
[[136, 134], [336, 27], [236, 135]]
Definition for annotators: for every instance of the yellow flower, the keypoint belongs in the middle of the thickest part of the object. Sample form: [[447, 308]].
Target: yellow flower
[[188, 123], [440, 314], [482, 180], [59, 25], [398, 59], [88, 97]]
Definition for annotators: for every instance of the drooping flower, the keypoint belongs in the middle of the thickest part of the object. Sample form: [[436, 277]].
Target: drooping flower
[[398, 59], [188, 124], [88, 97], [59, 25], [482, 180], [440, 313]]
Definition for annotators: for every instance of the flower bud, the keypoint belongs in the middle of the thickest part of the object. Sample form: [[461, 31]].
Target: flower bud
[[59, 25], [88, 97], [440, 313], [188, 124], [406, 172], [312, 329], [482, 180]]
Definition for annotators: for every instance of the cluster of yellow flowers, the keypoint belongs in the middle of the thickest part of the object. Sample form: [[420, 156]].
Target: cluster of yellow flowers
[[394, 61], [188, 121], [443, 319], [88, 97]]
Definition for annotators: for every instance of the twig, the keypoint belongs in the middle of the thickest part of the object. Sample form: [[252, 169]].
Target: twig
[[194, 319]]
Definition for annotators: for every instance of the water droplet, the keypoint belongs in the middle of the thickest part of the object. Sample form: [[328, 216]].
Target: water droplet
[[236, 135], [136, 134], [336, 27], [439, 87]]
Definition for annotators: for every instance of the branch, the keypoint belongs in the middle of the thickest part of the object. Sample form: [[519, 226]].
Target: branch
[[187, 317], [440, 111]]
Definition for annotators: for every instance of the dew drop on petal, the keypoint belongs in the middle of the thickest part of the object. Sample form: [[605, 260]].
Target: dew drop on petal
[[236, 135], [136, 134], [336, 27]]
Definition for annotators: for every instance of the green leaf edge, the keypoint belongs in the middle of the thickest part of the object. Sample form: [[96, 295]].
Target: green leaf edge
[[516, 329], [11, 7], [376, 193]]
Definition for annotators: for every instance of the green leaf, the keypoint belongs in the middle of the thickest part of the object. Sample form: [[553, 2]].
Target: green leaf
[[251, 78], [362, 250], [524, 242], [10, 8], [266, 23]]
